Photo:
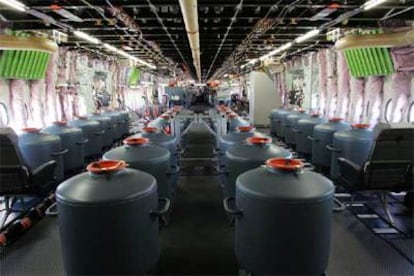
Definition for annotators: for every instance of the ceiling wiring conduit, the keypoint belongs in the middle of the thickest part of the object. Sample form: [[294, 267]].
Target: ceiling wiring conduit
[[190, 15]]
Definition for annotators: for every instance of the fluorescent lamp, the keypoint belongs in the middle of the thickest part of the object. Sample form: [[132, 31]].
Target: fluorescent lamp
[[372, 3], [277, 50], [110, 47], [285, 46], [307, 36], [15, 5], [86, 37]]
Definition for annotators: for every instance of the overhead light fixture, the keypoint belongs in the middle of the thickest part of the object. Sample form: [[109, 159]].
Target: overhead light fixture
[[15, 5], [110, 47], [277, 50], [86, 37], [372, 3], [307, 36]]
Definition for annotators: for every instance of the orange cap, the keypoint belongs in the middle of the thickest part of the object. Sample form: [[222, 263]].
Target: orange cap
[[106, 166]]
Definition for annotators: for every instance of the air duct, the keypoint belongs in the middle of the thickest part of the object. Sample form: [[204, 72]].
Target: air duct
[[190, 15]]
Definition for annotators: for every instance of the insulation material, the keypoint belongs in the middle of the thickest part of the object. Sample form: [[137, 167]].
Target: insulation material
[[373, 95], [5, 113], [356, 102], [52, 112], [403, 58], [401, 93], [322, 63], [36, 103], [85, 75], [331, 85], [343, 79], [19, 105]]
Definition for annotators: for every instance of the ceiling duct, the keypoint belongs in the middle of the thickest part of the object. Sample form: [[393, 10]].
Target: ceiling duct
[[190, 15]]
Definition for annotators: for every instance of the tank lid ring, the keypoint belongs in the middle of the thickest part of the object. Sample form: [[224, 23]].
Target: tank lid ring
[[336, 119], [82, 117], [31, 129], [316, 114], [106, 166], [245, 128], [284, 164], [149, 129], [301, 110], [360, 126], [258, 140], [60, 123], [136, 141]]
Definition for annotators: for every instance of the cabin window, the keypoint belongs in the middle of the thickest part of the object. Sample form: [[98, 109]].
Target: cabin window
[[388, 111], [4, 115], [410, 116]]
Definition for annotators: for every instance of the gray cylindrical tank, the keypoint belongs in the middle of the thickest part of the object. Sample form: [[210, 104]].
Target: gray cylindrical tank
[[72, 139], [117, 123], [108, 221], [237, 137], [303, 129], [323, 136], [279, 119], [124, 123], [92, 131], [106, 126], [272, 121], [158, 138], [141, 155], [283, 219], [291, 122], [251, 155], [37, 148], [354, 144], [235, 121]]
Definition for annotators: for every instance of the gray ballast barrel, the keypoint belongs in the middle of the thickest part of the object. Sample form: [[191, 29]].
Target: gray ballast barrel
[[108, 220], [283, 219]]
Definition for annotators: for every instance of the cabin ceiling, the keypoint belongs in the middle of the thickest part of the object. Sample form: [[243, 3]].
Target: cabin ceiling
[[154, 30]]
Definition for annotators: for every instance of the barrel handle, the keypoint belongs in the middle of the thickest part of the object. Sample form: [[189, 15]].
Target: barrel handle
[[233, 212], [295, 130], [161, 212], [333, 149], [313, 139], [52, 210], [220, 170], [84, 141], [167, 204], [176, 170], [98, 133], [60, 152], [308, 166]]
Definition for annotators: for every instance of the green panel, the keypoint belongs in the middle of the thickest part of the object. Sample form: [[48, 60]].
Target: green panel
[[3, 60], [363, 62]]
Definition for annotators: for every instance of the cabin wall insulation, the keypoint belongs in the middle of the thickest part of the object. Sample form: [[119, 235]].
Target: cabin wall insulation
[[66, 91], [358, 100]]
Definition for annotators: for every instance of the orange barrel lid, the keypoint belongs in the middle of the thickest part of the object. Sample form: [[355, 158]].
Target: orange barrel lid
[[245, 128], [284, 164], [258, 140], [360, 126], [106, 166], [60, 123], [336, 119], [31, 129], [149, 129], [136, 141]]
